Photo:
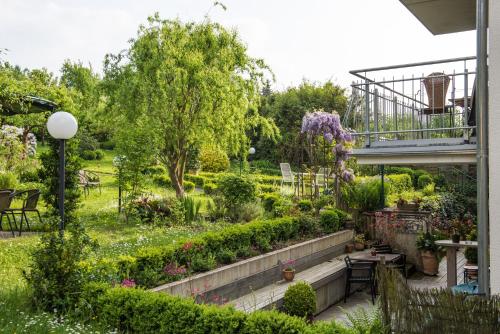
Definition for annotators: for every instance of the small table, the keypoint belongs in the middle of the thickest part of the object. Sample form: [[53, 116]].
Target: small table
[[451, 258], [377, 258]]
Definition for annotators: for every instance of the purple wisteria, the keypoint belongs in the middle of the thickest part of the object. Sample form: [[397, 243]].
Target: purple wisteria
[[327, 125]]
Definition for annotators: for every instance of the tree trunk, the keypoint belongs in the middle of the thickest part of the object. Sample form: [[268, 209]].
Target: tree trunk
[[174, 179]]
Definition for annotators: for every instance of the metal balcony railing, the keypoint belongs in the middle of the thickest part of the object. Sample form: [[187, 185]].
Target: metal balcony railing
[[427, 103]]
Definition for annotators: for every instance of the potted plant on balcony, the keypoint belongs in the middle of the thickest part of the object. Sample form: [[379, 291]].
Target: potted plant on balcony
[[288, 271], [426, 244], [359, 242]]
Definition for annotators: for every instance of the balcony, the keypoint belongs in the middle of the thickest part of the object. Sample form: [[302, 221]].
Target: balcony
[[421, 113]]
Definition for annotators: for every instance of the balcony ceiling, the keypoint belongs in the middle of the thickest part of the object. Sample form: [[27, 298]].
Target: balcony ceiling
[[444, 16]]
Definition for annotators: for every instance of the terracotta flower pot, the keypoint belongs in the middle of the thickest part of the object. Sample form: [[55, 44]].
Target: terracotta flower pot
[[430, 263], [349, 248], [288, 274], [359, 246]]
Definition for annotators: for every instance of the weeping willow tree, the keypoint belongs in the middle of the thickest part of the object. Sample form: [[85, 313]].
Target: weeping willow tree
[[190, 84]]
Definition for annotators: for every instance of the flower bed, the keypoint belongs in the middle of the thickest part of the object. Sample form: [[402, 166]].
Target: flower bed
[[152, 266]]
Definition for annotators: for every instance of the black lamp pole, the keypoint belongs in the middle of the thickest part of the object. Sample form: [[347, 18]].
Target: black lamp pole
[[62, 173]]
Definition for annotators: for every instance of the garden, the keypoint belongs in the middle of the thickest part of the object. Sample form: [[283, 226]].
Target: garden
[[186, 161]]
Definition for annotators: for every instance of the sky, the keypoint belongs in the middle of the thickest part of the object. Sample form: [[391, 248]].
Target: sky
[[317, 40]]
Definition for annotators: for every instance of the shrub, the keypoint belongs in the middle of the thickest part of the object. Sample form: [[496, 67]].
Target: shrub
[[146, 266], [282, 207], [329, 221], [108, 145], [300, 300], [209, 188], [416, 175], [305, 205], [54, 276], [364, 193], [165, 211], [155, 170], [424, 180], [236, 191], [268, 201], [309, 225], [400, 183], [266, 188], [188, 186], [203, 262], [162, 180], [99, 154], [88, 155], [199, 181], [191, 209], [8, 180], [213, 159], [28, 176], [138, 311], [226, 256], [343, 216], [321, 202], [250, 211], [429, 189]]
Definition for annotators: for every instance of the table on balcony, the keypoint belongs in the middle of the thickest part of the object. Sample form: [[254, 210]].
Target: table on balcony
[[451, 258]]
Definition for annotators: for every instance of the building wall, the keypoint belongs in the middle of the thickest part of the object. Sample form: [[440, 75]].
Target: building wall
[[494, 142]]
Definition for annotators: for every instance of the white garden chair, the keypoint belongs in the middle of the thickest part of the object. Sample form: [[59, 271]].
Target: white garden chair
[[322, 177], [287, 176]]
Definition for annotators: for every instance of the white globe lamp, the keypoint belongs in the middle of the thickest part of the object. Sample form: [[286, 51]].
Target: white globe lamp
[[251, 150], [62, 126]]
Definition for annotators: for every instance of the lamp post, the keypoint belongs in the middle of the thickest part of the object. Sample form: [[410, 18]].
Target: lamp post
[[62, 126], [251, 152]]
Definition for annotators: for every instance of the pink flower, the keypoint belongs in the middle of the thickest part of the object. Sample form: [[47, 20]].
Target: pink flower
[[128, 283]]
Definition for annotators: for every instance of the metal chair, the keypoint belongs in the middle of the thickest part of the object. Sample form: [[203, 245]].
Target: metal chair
[[400, 265], [89, 180], [383, 249], [359, 272], [6, 196], [29, 205], [287, 176]]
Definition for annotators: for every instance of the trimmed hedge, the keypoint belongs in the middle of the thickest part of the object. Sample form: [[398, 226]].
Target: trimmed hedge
[[400, 183], [131, 310], [198, 180], [146, 266]]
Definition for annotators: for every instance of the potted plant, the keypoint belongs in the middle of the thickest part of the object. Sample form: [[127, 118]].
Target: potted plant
[[349, 248], [455, 237], [359, 242], [426, 244], [470, 253], [288, 271]]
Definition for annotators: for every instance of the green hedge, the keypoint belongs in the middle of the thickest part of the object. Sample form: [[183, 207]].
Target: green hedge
[[131, 310], [400, 183], [146, 266], [198, 180]]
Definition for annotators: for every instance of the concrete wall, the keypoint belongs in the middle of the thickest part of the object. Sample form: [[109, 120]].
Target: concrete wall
[[494, 142], [240, 278]]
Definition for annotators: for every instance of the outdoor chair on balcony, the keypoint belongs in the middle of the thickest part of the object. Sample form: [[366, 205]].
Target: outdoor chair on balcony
[[5, 201], [359, 272], [88, 180], [436, 86], [287, 176], [30, 202]]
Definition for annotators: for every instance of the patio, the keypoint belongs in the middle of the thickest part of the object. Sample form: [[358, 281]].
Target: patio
[[361, 299]]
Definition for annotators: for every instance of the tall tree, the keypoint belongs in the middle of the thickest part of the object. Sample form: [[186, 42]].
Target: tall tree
[[189, 84]]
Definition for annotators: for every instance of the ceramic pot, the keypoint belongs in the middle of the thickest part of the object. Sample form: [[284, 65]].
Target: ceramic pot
[[288, 274], [455, 238], [429, 262], [359, 246], [349, 248]]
